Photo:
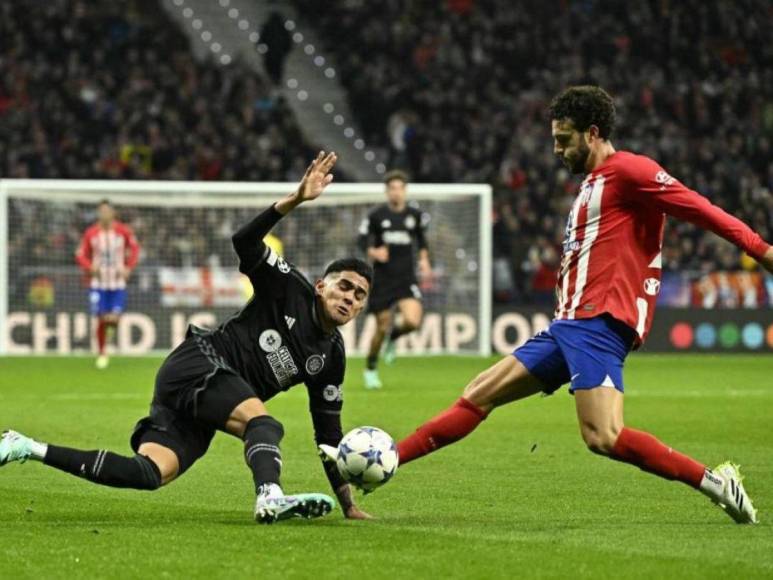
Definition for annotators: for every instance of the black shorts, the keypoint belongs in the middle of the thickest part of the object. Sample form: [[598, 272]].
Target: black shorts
[[181, 417], [383, 298]]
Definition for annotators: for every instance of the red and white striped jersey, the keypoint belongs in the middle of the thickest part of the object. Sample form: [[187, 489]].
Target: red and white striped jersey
[[111, 250], [611, 261]]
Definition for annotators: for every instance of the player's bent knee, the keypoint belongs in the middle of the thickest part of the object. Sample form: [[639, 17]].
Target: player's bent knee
[[266, 428], [598, 441], [162, 459], [244, 412]]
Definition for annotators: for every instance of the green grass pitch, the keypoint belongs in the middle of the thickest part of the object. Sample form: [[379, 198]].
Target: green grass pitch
[[521, 497]]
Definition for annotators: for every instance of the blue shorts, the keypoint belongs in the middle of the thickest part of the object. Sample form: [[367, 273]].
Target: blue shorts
[[587, 353], [107, 301]]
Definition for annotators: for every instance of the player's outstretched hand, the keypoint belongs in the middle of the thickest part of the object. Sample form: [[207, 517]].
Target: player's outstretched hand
[[767, 260], [317, 177]]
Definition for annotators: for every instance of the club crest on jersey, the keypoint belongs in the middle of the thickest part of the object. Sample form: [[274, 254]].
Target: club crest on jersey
[[332, 393], [652, 286], [410, 222], [664, 178], [283, 266], [270, 340], [386, 224], [314, 364]]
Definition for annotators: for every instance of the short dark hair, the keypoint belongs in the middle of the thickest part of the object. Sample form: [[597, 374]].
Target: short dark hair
[[585, 105], [395, 174], [351, 265], [104, 201]]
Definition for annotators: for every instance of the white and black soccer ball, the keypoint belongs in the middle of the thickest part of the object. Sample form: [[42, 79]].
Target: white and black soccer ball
[[367, 457]]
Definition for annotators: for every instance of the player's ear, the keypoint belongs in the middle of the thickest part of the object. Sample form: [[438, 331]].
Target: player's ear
[[592, 134], [319, 286]]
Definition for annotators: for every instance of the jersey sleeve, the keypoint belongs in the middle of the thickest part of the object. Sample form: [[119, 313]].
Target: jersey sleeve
[[422, 220], [132, 246], [325, 404], [83, 255], [266, 269], [370, 233], [653, 186]]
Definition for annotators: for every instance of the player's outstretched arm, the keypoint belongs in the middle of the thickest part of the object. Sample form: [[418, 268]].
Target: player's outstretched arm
[[248, 240], [673, 198], [326, 419]]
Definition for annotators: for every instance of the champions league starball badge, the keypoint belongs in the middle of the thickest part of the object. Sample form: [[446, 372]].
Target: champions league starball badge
[[270, 340]]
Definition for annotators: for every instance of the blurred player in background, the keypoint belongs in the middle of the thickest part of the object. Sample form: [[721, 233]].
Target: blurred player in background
[[390, 235], [108, 253], [607, 287]]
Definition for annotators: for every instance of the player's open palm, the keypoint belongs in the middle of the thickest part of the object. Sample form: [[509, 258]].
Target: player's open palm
[[317, 176]]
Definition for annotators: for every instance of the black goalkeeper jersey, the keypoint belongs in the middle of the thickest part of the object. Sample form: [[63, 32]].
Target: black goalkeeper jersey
[[403, 233], [275, 341]]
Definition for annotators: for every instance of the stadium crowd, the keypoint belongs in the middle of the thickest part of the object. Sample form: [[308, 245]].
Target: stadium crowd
[[112, 90], [458, 90], [455, 91]]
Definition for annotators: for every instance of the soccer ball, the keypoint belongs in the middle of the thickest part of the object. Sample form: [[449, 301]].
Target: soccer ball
[[367, 458]]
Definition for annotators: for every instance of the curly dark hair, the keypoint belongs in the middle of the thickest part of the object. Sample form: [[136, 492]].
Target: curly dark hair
[[585, 105]]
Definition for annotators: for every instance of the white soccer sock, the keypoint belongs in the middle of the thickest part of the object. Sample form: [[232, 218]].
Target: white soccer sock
[[712, 484], [38, 450], [270, 490]]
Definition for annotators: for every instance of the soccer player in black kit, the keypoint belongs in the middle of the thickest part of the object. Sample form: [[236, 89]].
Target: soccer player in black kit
[[391, 235], [219, 380]]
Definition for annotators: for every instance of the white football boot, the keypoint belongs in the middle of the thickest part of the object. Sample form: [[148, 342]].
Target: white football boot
[[734, 499], [102, 362], [273, 505], [372, 380], [15, 447]]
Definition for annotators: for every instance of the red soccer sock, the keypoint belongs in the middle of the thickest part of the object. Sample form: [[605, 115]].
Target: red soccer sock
[[451, 425], [101, 335], [649, 454]]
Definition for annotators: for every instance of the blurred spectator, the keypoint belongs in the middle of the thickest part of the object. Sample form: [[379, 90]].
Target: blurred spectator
[[455, 91], [458, 91], [111, 90], [278, 44]]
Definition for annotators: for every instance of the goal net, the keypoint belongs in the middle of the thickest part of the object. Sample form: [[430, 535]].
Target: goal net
[[187, 269]]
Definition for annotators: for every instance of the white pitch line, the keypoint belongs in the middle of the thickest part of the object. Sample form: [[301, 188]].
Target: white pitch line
[[97, 396], [676, 393]]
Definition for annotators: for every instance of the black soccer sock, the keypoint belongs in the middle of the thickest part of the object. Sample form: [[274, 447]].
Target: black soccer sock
[[397, 332], [105, 467], [261, 449], [372, 362]]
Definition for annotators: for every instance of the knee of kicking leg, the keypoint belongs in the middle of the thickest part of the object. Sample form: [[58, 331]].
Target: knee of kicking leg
[[599, 440], [481, 390]]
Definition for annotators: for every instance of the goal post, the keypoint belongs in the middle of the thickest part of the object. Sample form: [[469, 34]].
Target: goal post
[[187, 270]]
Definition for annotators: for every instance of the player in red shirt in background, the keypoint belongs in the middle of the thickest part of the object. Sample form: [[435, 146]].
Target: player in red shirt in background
[[108, 253], [607, 285]]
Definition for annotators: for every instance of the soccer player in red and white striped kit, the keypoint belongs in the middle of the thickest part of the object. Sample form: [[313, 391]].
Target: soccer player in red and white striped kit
[[108, 253], [607, 287]]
